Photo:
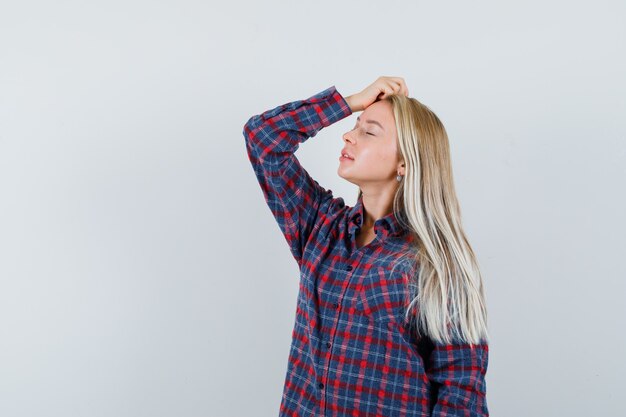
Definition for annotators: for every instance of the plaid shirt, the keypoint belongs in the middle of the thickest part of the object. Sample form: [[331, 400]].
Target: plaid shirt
[[352, 351]]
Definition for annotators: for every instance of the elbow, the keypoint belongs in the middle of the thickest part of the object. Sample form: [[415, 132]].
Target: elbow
[[248, 130]]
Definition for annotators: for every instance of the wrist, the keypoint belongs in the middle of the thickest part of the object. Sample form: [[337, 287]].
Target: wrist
[[352, 104]]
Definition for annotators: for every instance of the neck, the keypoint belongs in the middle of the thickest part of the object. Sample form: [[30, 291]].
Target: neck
[[376, 205]]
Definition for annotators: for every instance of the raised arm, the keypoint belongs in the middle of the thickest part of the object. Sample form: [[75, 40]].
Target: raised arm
[[296, 200]]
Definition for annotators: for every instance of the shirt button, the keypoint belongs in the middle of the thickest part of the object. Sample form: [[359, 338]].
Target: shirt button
[[321, 385], [336, 305], [349, 267], [349, 234], [386, 226], [327, 344]]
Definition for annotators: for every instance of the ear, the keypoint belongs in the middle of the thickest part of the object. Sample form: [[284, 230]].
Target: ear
[[400, 168]]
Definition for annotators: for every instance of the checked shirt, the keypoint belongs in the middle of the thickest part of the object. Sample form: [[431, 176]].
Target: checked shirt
[[352, 353]]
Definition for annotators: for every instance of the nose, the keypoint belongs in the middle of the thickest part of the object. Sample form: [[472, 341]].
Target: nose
[[347, 137]]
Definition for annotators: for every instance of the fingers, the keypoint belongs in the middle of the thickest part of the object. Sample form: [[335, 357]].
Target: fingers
[[388, 89], [403, 89], [394, 85]]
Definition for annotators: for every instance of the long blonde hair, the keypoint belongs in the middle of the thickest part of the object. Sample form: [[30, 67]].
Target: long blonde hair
[[448, 300]]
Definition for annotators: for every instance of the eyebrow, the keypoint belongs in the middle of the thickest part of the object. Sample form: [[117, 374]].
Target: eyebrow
[[372, 121]]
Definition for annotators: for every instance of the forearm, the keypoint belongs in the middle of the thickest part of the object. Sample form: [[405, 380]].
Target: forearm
[[272, 138], [352, 103]]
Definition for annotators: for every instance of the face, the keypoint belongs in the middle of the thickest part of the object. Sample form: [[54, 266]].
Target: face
[[373, 146]]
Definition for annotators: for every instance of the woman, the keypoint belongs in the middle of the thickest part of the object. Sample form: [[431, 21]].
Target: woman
[[391, 316]]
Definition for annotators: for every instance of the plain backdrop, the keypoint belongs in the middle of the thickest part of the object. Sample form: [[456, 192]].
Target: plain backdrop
[[141, 272]]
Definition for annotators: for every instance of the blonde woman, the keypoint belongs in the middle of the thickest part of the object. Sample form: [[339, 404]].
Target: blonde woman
[[391, 317]]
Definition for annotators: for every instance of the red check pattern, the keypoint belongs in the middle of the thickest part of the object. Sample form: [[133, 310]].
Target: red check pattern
[[352, 352]]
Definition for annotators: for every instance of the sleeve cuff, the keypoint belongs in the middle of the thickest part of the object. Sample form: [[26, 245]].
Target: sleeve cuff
[[330, 106]]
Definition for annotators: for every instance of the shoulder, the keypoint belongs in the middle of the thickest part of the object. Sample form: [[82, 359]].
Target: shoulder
[[333, 217]]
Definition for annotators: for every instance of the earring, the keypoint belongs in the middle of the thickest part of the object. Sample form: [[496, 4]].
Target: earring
[[399, 177]]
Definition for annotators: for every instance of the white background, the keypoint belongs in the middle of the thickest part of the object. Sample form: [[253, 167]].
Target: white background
[[141, 272]]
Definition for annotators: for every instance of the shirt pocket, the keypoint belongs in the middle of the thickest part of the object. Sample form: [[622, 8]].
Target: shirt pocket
[[383, 295]]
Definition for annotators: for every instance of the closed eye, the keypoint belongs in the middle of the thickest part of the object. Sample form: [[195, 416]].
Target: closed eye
[[368, 133]]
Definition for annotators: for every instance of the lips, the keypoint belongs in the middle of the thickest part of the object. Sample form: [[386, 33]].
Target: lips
[[349, 156]]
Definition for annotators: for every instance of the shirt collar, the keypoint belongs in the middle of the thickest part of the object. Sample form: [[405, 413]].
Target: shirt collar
[[388, 225]]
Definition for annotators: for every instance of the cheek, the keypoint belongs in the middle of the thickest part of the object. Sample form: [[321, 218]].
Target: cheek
[[386, 157], [380, 161], [380, 154]]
